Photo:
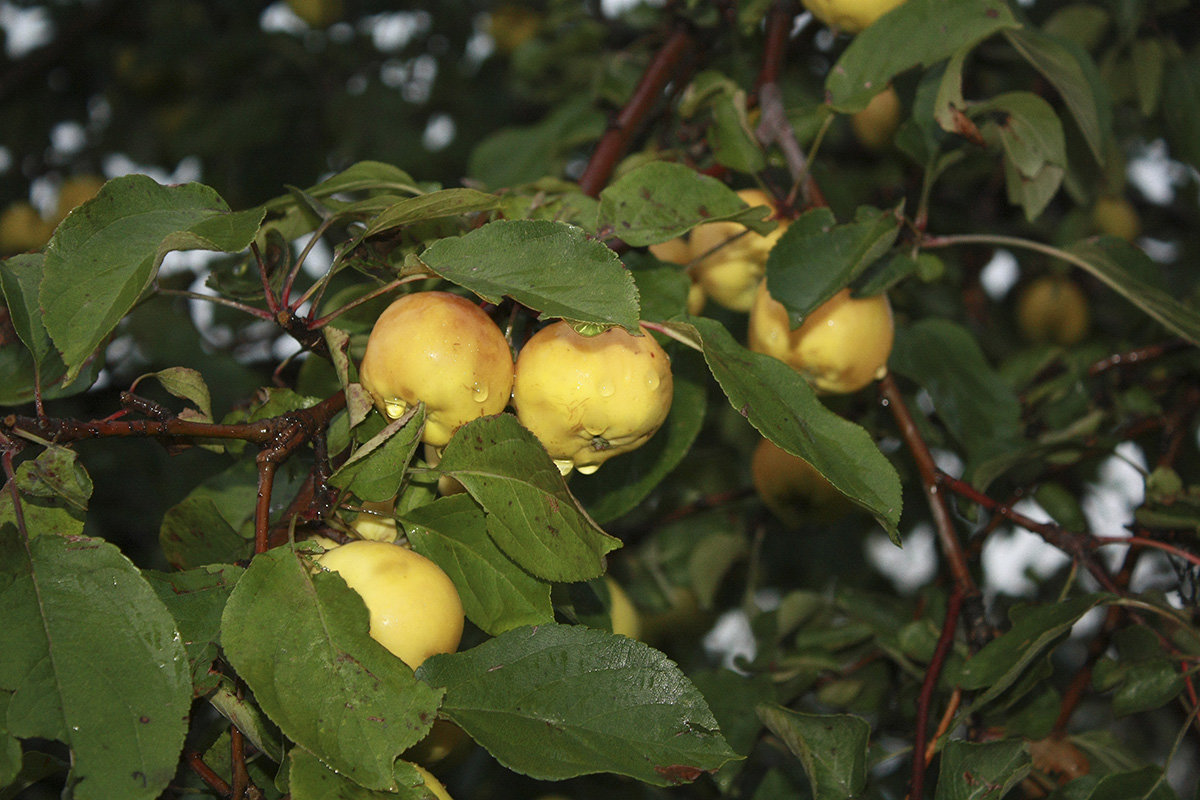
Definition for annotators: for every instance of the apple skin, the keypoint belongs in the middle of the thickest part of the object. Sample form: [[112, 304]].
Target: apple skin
[[876, 124], [440, 349], [1052, 308], [841, 346], [589, 398], [414, 608], [850, 16]]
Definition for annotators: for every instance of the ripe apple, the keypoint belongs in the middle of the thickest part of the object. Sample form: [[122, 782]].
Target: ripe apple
[[840, 347], [850, 16], [792, 488], [875, 125], [1052, 308], [730, 260], [589, 398], [442, 350], [415, 610]]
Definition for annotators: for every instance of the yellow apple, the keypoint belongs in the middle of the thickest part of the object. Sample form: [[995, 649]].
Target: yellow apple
[[840, 347], [442, 350], [850, 16], [589, 398], [1052, 308], [414, 609], [730, 260], [875, 125]]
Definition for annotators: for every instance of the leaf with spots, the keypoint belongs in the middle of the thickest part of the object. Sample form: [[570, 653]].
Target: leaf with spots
[[90, 657], [662, 200], [982, 770], [557, 701], [531, 514], [551, 267], [300, 642], [831, 747]]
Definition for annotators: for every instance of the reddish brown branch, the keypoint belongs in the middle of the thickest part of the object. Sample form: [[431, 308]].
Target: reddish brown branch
[[241, 775], [1075, 546], [943, 522], [1138, 356], [615, 141], [262, 507], [206, 774], [944, 644]]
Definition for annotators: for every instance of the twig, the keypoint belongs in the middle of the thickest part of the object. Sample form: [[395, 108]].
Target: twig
[[615, 141], [206, 773], [943, 522], [940, 654], [241, 776]]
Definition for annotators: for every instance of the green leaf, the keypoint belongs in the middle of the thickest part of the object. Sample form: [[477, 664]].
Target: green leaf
[[250, 720], [514, 258], [970, 398], [10, 746], [1146, 783], [610, 493], [93, 660], [21, 278], [497, 595], [1035, 630], [782, 406], [517, 155], [982, 771], [1030, 132], [309, 779], [1068, 66], [1121, 265], [105, 255], [661, 200], [530, 513], [56, 474], [557, 701], [367, 176], [300, 642], [931, 30], [376, 470], [1181, 107], [815, 258], [832, 748], [444, 203], [1146, 685], [195, 599], [186, 384], [195, 532]]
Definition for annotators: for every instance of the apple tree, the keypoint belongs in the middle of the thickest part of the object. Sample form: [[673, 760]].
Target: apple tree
[[919, 516]]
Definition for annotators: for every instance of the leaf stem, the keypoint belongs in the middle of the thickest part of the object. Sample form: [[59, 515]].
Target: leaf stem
[[220, 301], [206, 773]]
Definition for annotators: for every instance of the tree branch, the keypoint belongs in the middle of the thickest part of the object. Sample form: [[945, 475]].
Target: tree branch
[[615, 141]]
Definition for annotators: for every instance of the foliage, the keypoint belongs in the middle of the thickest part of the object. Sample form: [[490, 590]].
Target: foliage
[[185, 428]]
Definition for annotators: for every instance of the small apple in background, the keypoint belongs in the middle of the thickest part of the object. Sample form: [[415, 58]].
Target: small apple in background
[[1115, 216], [876, 124], [793, 489], [1053, 309]]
